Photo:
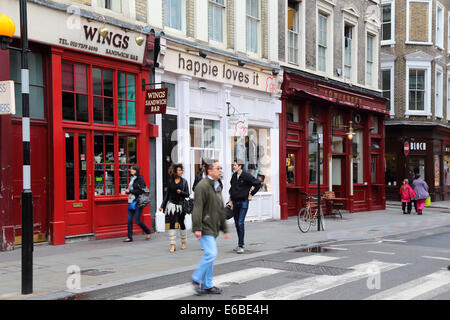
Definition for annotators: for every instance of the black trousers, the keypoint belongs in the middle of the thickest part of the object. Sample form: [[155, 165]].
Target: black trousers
[[408, 205], [177, 217]]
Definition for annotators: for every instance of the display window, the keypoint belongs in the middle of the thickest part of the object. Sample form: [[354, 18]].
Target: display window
[[205, 141], [253, 151], [446, 166], [358, 157], [391, 169], [317, 128]]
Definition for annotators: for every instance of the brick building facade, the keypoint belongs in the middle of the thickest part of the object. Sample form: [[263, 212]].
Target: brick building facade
[[415, 78]]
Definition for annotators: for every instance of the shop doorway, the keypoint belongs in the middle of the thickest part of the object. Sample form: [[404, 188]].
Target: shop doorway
[[79, 181]]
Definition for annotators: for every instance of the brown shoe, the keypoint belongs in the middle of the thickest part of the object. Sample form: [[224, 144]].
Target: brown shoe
[[172, 248]]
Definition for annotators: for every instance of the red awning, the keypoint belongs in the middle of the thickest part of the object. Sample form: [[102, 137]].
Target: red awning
[[343, 102]]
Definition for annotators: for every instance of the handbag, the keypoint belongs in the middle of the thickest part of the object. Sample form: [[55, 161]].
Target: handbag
[[132, 205], [428, 201], [229, 210], [188, 205], [144, 198]]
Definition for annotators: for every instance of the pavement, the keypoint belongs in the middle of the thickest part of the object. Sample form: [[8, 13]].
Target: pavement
[[111, 262]]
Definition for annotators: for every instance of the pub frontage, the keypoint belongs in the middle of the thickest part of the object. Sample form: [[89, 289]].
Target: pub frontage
[[88, 124], [350, 121], [415, 147]]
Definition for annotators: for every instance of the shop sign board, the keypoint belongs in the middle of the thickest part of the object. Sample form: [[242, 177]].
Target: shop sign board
[[156, 101], [68, 29], [7, 98], [213, 70], [237, 126]]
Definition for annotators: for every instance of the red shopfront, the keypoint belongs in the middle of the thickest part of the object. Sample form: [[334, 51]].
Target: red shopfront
[[353, 169], [90, 130]]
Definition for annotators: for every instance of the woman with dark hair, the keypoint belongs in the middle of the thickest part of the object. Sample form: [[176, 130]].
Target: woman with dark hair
[[177, 191], [135, 189]]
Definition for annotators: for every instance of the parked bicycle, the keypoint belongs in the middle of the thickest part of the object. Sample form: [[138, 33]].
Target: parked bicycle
[[307, 215]]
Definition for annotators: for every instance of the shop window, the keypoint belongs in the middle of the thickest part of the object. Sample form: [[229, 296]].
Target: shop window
[[36, 83], [337, 120], [446, 170], [253, 151], [358, 157], [74, 92], [70, 167], [205, 138], [170, 94], [373, 169], [126, 88], [292, 113], [290, 168], [437, 171], [102, 81], [374, 127], [316, 129], [416, 166], [391, 169], [127, 157], [104, 164], [337, 144]]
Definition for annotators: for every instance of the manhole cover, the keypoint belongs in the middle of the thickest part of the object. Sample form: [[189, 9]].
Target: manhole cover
[[95, 272], [299, 267]]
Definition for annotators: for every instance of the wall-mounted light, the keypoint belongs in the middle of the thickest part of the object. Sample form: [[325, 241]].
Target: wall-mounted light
[[241, 63], [7, 29], [200, 52], [350, 132]]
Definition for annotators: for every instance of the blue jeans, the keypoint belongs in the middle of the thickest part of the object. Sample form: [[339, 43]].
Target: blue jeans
[[204, 272], [137, 214], [240, 211]]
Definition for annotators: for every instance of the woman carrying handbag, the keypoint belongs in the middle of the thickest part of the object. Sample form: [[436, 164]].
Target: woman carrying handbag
[[135, 189], [177, 192]]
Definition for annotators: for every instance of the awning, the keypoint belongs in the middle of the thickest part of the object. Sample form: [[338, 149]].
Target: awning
[[342, 102]]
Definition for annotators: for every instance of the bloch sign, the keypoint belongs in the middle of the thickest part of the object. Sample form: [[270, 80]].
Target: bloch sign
[[7, 98]]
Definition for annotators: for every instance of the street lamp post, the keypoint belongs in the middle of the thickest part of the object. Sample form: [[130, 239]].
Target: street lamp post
[[27, 197]]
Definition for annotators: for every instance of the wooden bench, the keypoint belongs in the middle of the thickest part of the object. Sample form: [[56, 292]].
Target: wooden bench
[[333, 205]]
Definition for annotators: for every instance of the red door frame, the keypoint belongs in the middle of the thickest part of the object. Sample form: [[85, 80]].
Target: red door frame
[[101, 226]]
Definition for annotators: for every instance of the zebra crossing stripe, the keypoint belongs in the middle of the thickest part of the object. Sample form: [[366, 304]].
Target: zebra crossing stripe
[[312, 285], [425, 287], [186, 289], [314, 259]]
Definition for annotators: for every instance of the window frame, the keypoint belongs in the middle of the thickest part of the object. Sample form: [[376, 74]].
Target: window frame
[[169, 27], [430, 13], [211, 4], [439, 38], [391, 67], [439, 93], [421, 65], [326, 8], [296, 35], [391, 41], [370, 60], [258, 29]]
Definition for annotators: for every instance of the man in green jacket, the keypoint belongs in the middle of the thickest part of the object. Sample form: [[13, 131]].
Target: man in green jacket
[[208, 218]]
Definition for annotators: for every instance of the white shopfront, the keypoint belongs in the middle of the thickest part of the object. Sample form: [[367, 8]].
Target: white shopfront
[[208, 95]]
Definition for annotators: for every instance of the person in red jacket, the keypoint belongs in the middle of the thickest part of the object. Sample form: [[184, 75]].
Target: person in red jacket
[[406, 194]]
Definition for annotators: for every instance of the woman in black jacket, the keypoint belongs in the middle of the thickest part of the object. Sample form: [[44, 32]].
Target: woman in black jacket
[[177, 191], [135, 189]]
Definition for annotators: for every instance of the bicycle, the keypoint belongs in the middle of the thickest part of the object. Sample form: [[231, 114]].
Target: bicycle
[[307, 215]]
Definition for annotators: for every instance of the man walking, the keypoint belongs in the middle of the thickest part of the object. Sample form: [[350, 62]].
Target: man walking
[[208, 218], [241, 183]]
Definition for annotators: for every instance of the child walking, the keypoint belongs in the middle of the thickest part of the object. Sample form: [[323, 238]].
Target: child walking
[[407, 194]]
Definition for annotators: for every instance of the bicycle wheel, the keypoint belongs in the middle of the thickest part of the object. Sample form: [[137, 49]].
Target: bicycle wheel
[[304, 220]]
